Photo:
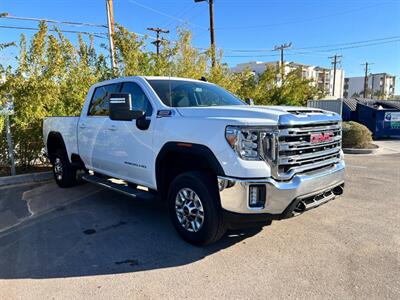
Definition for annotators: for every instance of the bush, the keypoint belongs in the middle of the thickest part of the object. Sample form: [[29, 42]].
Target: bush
[[356, 135]]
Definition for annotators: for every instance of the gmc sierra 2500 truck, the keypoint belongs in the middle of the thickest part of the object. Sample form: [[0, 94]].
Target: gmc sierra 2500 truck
[[217, 161]]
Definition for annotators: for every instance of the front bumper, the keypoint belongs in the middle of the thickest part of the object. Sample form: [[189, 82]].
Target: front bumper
[[281, 196]]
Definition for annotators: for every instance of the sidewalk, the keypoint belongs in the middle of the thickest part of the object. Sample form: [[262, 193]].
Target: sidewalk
[[388, 146]]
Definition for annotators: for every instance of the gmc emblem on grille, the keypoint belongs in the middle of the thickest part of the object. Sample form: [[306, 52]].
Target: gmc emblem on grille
[[321, 137]]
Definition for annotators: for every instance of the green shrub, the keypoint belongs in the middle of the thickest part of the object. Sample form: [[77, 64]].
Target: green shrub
[[356, 135]]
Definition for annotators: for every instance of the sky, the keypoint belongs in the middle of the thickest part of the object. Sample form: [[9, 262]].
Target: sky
[[246, 30]]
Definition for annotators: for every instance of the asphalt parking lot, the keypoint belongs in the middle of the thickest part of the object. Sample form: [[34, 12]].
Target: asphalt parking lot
[[87, 242]]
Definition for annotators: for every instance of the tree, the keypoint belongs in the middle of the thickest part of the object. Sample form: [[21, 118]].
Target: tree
[[53, 76]]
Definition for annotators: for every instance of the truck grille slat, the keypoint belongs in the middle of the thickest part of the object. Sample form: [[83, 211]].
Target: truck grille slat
[[297, 152], [306, 130], [303, 145], [307, 156]]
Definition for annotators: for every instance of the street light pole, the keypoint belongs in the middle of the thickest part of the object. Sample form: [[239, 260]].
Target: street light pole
[[212, 36]]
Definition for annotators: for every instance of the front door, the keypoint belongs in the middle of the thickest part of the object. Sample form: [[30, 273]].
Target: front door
[[129, 148]]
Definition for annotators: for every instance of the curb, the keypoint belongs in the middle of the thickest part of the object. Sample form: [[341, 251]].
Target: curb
[[26, 178], [359, 151]]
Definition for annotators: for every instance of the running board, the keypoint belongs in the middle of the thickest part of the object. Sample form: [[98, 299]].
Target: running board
[[118, 187]]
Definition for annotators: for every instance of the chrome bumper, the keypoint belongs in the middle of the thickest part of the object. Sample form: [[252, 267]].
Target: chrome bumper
[[279, 194]]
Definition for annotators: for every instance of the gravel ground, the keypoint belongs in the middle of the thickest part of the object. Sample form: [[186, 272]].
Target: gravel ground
[[86, 242]]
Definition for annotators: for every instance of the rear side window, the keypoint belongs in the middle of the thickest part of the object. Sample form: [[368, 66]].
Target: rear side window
[[139, 99], [99, 103]]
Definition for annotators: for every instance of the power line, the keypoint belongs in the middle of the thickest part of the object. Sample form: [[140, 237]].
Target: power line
[[349, 43], [95, 34], [179, 14], [101, 35], [79, 24], [322, 51], [318, 46], [165, 14]]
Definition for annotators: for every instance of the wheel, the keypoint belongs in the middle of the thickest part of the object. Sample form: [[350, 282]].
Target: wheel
[[64, 173], [194, 208]]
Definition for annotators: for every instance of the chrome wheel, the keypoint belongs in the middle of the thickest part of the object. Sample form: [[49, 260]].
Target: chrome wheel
[[58, 168], [189, 210]]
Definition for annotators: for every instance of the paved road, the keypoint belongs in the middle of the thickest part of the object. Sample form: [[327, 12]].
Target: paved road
[[87, 242]]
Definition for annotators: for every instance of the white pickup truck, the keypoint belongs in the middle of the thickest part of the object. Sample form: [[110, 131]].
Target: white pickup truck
[[217, 161]]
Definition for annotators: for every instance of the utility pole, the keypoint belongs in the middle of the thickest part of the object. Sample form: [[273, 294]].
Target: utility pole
[[281, 48], [366, 78], [158, 41], [336, 60], [212, 36], [111, 30]]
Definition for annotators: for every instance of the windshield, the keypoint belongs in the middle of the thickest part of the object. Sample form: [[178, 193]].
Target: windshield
[[182, 93]]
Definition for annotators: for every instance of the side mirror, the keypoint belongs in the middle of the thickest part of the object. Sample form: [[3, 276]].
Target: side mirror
[[249, 101], [120, 106]]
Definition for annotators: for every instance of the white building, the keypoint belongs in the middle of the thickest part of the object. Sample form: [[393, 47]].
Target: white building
[[320, 77], [380, 85]]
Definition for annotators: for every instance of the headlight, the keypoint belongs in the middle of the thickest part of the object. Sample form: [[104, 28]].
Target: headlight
[[246, 141]]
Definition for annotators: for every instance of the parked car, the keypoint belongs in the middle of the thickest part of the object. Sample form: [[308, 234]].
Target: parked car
[[217, 161]]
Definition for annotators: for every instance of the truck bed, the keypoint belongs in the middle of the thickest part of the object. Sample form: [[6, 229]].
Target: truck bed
[[67, 127]]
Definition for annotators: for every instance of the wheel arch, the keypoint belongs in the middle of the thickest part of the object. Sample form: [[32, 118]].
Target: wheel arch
[[54, 141], [177, 157]]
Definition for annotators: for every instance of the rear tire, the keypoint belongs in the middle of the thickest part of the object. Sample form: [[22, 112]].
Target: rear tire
[[194, 208], [64, 172]]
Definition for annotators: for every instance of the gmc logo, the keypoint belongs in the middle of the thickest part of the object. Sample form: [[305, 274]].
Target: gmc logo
[[321, 137]]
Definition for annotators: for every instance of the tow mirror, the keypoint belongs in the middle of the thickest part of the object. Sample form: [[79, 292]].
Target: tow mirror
[[121, 109]]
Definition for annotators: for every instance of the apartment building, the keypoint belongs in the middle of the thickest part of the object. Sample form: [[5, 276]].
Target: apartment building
[[380, 85], [322, 78]]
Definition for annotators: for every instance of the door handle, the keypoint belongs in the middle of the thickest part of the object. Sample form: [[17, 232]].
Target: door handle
[[112, 128], [82, 126]]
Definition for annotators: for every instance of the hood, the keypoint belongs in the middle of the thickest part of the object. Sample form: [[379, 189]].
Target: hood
[[250, 115]]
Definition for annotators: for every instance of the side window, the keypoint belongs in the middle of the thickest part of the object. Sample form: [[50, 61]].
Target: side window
[[99, 103], [139, 99]]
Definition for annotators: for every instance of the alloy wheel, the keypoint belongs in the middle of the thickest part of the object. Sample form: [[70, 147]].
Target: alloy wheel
[[189, 210]]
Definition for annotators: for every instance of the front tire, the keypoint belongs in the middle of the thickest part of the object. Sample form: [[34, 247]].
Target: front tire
[[64, 173], [194, 208]]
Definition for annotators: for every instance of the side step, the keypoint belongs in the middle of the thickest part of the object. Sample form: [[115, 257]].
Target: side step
[[118, 187]]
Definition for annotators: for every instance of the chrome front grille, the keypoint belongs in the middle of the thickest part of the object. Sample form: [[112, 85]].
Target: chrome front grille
[[294, 152]]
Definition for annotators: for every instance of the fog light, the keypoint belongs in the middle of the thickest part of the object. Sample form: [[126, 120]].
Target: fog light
[[224, 184], [257, 195]]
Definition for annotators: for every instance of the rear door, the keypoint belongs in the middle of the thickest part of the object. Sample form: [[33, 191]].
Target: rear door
[[93, 129]]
